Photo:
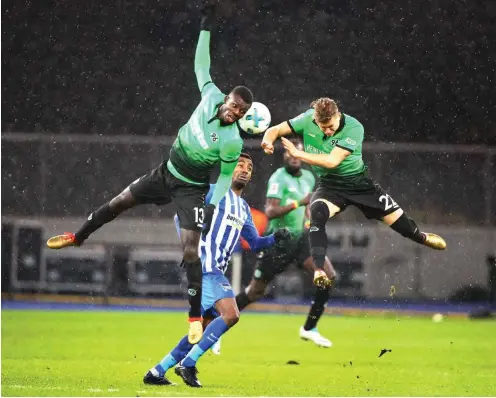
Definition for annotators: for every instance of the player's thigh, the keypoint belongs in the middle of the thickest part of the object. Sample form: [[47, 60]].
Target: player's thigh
[[152, 187], [215, 286], [377, 204], [332, 199], [271, 262], [190, 201]]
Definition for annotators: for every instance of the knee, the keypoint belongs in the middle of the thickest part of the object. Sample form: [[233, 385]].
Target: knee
[[122, 202], [256, 292], [319, 213], [231, 316], [190, 253]]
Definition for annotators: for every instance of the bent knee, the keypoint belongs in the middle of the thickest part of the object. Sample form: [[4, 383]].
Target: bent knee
[[256, 292], [231, 317], [125, 200]]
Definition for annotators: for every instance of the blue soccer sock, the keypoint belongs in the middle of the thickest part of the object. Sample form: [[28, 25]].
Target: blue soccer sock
[[173, 357], [212, 333]]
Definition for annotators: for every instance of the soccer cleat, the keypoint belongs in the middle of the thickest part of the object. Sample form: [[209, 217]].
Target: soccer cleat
[[216, 347], [188, 375], [195, 332], [434, 241], [316, 337], [61, 241], [156, 380], [320, 279]]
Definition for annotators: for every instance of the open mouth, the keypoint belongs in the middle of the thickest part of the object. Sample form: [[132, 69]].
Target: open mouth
[[230, 117], [243, 177]]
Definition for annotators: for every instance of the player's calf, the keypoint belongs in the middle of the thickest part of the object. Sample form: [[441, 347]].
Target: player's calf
[[194, 275], [408, 228], [319, 212], [254, 292]]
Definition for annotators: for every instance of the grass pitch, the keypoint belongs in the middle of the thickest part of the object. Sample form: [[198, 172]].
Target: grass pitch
[[107, 353]]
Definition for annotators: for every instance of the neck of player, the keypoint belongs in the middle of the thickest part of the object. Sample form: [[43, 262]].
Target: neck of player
[[294, 171], [237, 188]]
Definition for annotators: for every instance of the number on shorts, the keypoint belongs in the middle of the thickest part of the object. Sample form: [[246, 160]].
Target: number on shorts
[[199, 214], [388, 202]]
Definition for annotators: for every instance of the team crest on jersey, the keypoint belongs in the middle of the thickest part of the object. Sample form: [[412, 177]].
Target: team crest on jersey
[[214, 137], [226, 287]]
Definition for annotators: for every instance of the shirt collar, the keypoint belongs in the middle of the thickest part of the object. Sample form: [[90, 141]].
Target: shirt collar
[[215, 112]]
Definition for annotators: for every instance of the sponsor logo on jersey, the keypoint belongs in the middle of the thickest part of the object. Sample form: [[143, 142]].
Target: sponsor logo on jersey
[[312, 149], [234, 221], [350, 141], [274, 188]]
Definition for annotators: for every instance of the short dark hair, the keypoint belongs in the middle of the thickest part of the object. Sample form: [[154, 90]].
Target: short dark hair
[[246, 156], [244, 92]]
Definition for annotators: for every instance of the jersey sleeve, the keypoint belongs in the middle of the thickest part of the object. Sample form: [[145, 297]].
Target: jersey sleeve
[[202, 65], [230, 150], [354, 137], [229, 155], [275, 188], [298, 123], [178, 226], [209, 194], [250, 234]]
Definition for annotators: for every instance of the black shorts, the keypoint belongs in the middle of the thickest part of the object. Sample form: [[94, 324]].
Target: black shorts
[[273, 261], [360, 191], [161, 187]]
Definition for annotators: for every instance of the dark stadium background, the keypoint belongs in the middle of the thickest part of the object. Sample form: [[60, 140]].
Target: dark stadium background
[[94, 92]]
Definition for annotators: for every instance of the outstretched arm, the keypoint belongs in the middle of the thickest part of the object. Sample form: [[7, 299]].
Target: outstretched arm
[[256, 242], [273, 134], [329, 161], [229, 155], [202, 60], [202, 54]]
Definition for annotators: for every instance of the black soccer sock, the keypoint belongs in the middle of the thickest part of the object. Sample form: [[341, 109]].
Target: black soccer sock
[[95, 220], [408, 228], [194, 274], [242, 300], [317, 308], [317, 235]]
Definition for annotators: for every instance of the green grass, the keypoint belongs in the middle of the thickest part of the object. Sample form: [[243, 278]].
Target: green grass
[[107, 354]]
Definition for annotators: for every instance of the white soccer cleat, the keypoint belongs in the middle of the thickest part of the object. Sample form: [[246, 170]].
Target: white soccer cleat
[[216, 347], [316, 337]]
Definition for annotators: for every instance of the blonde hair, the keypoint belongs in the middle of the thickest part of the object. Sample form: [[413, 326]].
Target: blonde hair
[[325, 109]]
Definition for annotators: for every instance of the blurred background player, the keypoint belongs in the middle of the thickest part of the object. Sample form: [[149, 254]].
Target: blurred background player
[[210, 136], [231, 219], [333, 146], [288, 194]]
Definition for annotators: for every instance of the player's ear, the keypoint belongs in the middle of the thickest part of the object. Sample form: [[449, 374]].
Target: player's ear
[[226, 98]]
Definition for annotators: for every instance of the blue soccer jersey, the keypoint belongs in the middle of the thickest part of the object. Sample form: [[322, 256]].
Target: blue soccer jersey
[[231, 220]]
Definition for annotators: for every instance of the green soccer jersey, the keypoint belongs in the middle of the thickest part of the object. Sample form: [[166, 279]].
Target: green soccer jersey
[[349, 136], [203, 141], [289, 188]]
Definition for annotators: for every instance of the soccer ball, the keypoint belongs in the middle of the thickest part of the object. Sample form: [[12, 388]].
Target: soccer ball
[[256, 120]]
